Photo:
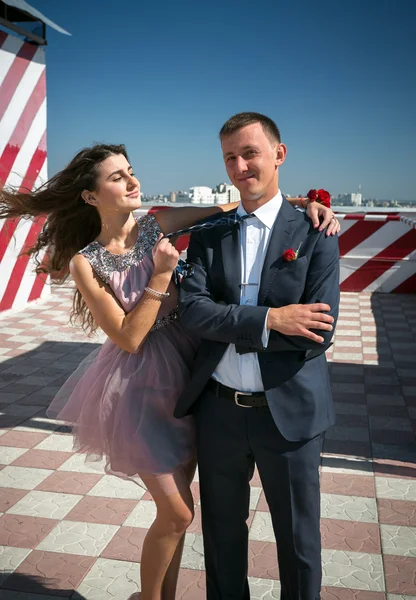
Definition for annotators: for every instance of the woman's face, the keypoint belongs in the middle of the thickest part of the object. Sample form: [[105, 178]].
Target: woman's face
[[117, 188]]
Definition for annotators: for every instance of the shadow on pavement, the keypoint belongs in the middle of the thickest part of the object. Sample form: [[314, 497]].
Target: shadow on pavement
[[29, 585]]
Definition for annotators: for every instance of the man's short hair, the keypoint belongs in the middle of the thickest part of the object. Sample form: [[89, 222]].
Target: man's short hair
[[249, 118]]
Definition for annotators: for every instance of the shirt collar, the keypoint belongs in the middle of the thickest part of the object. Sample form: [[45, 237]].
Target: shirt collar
[[267, 213]]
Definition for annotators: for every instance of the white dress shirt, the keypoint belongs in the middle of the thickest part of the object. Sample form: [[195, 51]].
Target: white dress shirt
[[242, 371]]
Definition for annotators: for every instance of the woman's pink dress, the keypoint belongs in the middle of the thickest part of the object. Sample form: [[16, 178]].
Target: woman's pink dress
[[121, 404]]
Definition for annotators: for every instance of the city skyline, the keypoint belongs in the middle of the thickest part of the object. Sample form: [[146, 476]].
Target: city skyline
[[163, 78], [336, 200]]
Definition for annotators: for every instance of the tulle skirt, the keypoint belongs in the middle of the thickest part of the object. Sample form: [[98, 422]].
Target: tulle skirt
[[121, 406]]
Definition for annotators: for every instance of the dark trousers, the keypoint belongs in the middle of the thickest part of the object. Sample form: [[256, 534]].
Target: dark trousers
[[231, 440]]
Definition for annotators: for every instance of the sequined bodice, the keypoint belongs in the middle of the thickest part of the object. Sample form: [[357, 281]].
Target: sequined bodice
[[105, 263], [128, 274]]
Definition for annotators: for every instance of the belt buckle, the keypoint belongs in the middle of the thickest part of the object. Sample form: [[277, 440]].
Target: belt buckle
[[237, 394]]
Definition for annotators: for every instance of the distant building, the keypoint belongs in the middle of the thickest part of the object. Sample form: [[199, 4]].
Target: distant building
[[352, 199], [172, 197], [225, 193], [202, 194]]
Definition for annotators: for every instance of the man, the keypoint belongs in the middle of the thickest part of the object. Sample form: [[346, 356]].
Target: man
[[259, 389]]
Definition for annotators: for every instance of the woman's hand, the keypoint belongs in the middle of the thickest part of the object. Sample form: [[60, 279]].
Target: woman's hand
[[165, 256], [317, 212]]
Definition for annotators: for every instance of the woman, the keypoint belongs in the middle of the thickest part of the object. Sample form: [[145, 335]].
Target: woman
[[122, 396]]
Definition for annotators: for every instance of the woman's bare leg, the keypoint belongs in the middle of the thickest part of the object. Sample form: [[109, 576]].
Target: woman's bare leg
[[171, 578], [174, 514]]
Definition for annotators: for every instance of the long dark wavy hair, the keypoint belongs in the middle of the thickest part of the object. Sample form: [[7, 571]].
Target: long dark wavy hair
[[71, 224]]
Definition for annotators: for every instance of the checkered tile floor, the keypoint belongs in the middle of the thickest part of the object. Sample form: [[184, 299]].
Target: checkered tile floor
[[67, 529]]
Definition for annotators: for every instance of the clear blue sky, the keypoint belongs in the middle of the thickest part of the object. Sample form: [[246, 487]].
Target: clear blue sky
[[162, 77]]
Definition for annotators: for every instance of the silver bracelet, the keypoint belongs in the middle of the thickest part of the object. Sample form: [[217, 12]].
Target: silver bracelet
[[155, 294]]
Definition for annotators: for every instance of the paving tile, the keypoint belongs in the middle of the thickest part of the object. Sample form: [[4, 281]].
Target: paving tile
[[261, 528], [9, 397], [351, 420], [9, 497], [385, 400], [113, 487], [77, 464], [351, 465], [392, 436], [388, 411], [8, 454], [42, 459], [72, 537], [254, 496], [399, 540], [193, 552], [262, 503], [126, 544], [10, 559], [58, 442], [142, 515], [24, 532], [262, 560], [110, 580], [196, 525], [347, 484], [191, 585], [69, 483], [400, 573], [59, 573], [337, 593], [394, 468], [21, 439], [45, 504], [15, 595], [396, 423], [349, 388], [403, 452], [352, 570], [351, 536], [347, 448], [351, 434], [20, 410], [101, 510], [396, 512], [394, 488], [350, 508], [22, 477], [349, 408], [383, 389], [37, 424]]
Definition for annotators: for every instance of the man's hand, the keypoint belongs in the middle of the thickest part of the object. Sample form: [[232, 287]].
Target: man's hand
[[299, 319]]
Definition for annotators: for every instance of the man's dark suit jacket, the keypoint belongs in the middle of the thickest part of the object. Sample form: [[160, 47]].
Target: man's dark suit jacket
[[293, 369]]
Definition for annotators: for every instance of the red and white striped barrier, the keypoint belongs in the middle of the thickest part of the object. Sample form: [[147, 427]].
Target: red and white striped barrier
[[22, 162], [378, 253]]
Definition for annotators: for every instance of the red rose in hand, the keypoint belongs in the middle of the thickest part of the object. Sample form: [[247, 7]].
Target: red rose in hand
[[289, 255], [324, 198], [312, 195]]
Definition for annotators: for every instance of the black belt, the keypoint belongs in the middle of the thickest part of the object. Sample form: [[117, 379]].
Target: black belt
[[244, 399]]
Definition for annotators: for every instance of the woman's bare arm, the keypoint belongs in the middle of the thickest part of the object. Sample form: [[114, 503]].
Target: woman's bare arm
[[129, 330], [320, 215], [179, 218]]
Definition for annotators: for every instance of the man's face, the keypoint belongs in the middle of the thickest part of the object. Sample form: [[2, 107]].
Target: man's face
[[252, 159]]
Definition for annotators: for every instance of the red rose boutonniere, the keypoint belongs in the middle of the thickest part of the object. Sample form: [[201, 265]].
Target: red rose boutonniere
[[290, 254], [321, 196]]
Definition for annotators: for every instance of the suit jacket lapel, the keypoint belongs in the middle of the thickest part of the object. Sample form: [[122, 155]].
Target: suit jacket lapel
[[231, 259], [280, 241]]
